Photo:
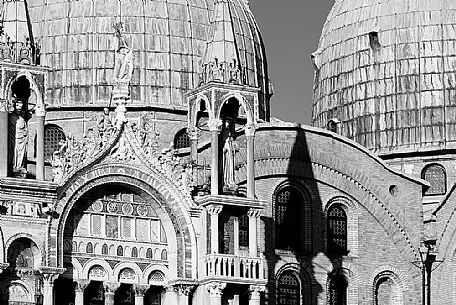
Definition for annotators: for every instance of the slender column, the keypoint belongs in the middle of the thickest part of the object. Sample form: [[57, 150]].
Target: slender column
[[215, 292], [80, 286], [255, 294], [236, 236], [170, 297], [193, 135], [4, 138], [110, 289], [250, 135], [183, 292], [140, 291], [40, 116], [48, 288], [214, 127], [253, 234], [214, 210]]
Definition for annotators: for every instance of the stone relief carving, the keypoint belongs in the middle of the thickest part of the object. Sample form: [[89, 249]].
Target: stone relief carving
[[222, 72], [132, 142]]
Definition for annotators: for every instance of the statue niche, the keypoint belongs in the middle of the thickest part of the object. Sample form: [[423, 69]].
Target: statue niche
[[19, 115]]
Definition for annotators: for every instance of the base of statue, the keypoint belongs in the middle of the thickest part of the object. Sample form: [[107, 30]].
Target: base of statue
[[230, 190], [19, 172]]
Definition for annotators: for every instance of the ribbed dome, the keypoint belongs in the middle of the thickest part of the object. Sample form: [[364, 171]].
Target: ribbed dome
[[168, 38], [386, 71]]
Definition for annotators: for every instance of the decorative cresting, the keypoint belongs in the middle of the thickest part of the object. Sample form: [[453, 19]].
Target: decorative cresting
[[129, 143], [17, 44]]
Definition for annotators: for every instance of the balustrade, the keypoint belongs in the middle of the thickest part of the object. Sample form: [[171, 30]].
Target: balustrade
[[231, 266]]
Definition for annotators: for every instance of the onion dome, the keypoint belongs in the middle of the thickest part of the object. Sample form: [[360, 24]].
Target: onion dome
[[385, 69], [168, 39]]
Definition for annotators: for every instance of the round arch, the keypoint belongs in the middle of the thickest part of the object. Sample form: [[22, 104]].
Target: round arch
[[33, 87], [97, 262], [15, 237], [119, 267], [242, 103], [176, 221]]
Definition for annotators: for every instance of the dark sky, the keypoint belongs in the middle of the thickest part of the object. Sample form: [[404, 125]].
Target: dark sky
[[290, 30]]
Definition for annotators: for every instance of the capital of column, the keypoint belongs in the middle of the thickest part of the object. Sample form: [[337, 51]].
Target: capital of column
[[140, 290], [183, 290], [50, 274], [249, 130], [255, 292], [254, 213], [3, 105], [193, 134], [81, 285], [40, 110], [215, 289], [214, 209], [3, 266], [110, 288], [214, 125]]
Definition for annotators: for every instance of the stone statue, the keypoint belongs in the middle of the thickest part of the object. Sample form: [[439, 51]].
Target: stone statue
[[234, 72], [19, 137], [104, 125], [123, 66], [229, 150]]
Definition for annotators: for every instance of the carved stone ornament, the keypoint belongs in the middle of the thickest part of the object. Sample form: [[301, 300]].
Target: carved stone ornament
[[140, 290], [81, 285], [222, 72], [110, 288], [255, 292], [133, 143], [254, 213], [215, 289], [183, 289]]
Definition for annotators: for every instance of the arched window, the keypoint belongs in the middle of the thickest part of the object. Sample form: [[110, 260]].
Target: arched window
[[134, 252], [104, 249], [384, 291], [337, 290], [119, 251], [181, 140], [288, 289], [164, 255], [89, 248], [337, 230], [149, 253], [288, 218], [53, 134], [435, 174]]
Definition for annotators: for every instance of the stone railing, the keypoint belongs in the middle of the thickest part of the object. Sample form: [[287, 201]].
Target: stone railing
[[234, 267]]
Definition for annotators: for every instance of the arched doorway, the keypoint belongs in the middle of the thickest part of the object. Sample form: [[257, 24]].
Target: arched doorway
[[94, 293], [153, 296], [124, 295]]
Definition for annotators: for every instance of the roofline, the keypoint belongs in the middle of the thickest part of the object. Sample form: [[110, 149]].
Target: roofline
[[347, 141]]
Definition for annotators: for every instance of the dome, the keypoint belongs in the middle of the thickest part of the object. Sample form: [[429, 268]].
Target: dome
[[168, 38], [386, 70]]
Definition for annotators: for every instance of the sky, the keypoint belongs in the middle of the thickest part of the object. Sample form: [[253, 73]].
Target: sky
[[291, 30]]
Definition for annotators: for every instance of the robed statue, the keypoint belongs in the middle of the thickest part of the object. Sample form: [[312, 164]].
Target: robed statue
[[230, 148], [18, 121], [123, 66]]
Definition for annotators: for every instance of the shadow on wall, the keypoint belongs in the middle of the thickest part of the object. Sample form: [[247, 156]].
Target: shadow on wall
[[301, 231]]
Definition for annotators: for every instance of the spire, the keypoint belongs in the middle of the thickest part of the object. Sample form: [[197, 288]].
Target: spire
[[221, 60], [16, 36]]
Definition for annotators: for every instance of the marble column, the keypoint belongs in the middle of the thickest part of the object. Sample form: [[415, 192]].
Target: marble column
[[214, 127], [4, 138], [183, 292], [255, 294], [193, 135], [215, 292], [170, 296], [80, 286], [110, 289], [253, 215], [48, 288], [214, 211], [140, 291], [250, 135], [40, 116]]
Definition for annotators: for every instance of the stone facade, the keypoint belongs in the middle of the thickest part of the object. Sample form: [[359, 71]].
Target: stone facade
[[169, 183]]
